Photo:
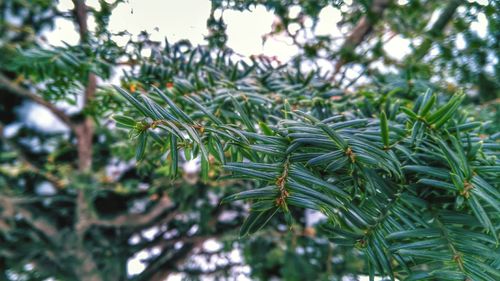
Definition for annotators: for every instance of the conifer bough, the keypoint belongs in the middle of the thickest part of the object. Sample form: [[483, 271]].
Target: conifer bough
[[415, 189]]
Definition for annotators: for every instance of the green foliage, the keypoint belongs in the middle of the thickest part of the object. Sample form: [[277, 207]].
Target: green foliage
[[403, 165], [403, 188]]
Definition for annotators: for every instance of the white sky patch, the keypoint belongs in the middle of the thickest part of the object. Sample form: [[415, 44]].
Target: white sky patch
[[281, 47], [294, 11], [235, 255], [177, 20], [398, 47], [329, 17], [481, 25], [294, 28], [41, 118], [45, 189], [211, 245], [245, 29], [11, 129], [150, 233], [434, 17], [313, 217], [490, 66], [65, 5], [175, 277], [325, 65], [64, 31], [192, 166], [135, 264], [134, 240]]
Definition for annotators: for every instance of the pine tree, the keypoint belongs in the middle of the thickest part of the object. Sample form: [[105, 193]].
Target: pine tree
[[401, 164]]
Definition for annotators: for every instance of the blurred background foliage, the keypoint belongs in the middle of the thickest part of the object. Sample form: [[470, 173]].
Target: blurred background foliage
[[76, 205]]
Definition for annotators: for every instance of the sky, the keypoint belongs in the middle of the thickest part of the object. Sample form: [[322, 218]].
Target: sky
[[186, 19]]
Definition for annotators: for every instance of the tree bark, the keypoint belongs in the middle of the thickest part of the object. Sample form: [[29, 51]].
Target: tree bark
[[80, 13], [84, 131]]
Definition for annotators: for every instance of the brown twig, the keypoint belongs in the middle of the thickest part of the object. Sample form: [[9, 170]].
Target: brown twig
[[84, 132], [136, 220], [11, 207], [16, 89]]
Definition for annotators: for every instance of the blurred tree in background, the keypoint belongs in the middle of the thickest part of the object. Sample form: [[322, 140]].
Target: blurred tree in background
[[80, 202], [445, 48]]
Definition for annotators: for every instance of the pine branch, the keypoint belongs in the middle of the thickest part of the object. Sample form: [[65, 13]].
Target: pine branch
[[12, 206], [373, 177], [53, 179]]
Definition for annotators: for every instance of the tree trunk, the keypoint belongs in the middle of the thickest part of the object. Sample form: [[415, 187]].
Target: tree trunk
[[84, 131]]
